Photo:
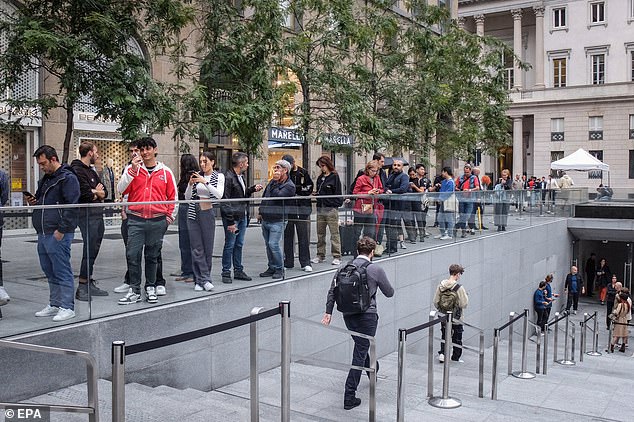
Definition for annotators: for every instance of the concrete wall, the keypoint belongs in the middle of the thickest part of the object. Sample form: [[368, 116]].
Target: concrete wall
[[501, 273]]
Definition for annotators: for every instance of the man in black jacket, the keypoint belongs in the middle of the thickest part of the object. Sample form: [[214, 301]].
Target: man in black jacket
[[364, 323], [273, 216], [397, 184], [298, 217], [55, 229], [573, 286], [235, 216], [91, 225]]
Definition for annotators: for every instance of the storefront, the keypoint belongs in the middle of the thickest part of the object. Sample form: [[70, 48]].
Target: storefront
[[282, 141], [340, 147]]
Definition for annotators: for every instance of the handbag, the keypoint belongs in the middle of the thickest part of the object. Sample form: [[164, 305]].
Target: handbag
[[379, 249], [367, 208], [450, 204]]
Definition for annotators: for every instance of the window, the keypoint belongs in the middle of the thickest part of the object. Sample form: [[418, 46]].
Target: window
[[631, 126], [596, 174], [291, 20], [598, 69], [559, 72], [597, 12], [554, 156], [557, 129], [632, 60], [631, 166], [559, 18], [507, 61], [595, 128]]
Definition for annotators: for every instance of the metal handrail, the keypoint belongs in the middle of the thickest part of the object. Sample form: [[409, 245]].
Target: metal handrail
[[120, 351], [92, 376], [595, 336], [372, 354]]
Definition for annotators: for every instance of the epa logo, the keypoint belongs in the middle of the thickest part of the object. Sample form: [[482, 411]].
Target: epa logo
[[26, 414]]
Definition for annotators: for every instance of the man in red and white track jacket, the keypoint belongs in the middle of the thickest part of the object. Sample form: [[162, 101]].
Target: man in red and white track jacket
[[145, 180]]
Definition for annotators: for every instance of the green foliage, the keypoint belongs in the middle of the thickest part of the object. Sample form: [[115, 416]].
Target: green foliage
[[84, 44]]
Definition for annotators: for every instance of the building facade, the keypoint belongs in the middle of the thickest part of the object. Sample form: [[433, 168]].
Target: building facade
[[579, 89]]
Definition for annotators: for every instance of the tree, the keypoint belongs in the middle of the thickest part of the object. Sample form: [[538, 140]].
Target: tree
[[231, 89], [84, 45]]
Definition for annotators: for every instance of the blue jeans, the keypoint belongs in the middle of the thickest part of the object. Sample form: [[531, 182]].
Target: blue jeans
[[232, 252], [446, 222], [365, 323], [55, 262], [272, 232], [466, 209], [183, 242]]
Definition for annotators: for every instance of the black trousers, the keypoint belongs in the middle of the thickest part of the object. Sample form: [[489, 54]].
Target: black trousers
[[92, 229], [365, 323], [456, 339], [542, 318], [160, 280], [590, 283], [301, 225], [573, 300]]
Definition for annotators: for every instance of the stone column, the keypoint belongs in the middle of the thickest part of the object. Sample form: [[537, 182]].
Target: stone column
[[518, 146], [517, 46], [539, 46], [479, 20]]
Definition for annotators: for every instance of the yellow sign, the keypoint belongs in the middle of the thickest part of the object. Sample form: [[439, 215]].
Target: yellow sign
[[16, 184]]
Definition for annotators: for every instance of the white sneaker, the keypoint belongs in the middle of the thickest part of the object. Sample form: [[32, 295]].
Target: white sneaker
[[4, 296], [48, 311], [574, 312], [130, 298], [64, 314], [160, 291], [438, 236], [308, 268], [402, 244], [150, 295], [441, 358], [122, 288], [198, 288], [458, 361], [317, 260], [208, 286], [336, 261], [445, 237]]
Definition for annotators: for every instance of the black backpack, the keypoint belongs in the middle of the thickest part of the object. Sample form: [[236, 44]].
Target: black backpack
[[352, 293]]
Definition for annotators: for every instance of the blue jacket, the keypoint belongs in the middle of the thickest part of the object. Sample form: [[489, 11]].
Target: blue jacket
[[539, 298], [398, 183], [61, 187]]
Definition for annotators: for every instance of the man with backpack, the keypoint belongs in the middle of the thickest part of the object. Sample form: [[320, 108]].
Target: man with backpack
[[452, 297], [354, 290]]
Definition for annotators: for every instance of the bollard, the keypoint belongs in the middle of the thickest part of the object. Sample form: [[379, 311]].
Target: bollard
[[430, 357], [566, 360], [523, 373], [446, 402], [595, 338], [118, 381], [574, 339], [372, 373], [582, 347], [285, 364], [494, 371], [400, 386], [254, 373], [510, 350], [538, 344]]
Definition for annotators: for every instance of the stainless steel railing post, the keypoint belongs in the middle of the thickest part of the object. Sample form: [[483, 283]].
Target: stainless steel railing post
[[566, 360], [538, 344], [430, 357], [545, 361], [556, 338], [494, 371], [285, 364], [584, 328], [372, 399], [446, 402], [254, 373], [523, 373], [610, 336], [510, 350], [481, 367], [400, 381], [118, 381], [595, 337], [574, 340]]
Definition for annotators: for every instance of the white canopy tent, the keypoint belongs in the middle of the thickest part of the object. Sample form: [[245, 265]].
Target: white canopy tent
[[580, 160]]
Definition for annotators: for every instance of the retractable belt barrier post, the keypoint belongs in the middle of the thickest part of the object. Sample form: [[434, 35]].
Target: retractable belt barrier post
[[567, 360], [118, 381], [524, 374], [595, 337], [446, 402]]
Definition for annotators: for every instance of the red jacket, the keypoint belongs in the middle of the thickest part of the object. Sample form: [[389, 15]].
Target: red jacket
[[363, 186], [145, 187]]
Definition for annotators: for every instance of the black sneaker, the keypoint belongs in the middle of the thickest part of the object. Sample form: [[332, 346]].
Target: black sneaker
[[268, 273], [226, 278], [82, 291], [96, 291], [277, 275], [241, 275], [352, 403]]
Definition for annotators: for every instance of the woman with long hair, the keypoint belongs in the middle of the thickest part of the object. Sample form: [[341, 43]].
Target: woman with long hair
[[604, 275], [369, 183], [188, 165], [619, 316], [201, 218], [328, 183]]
